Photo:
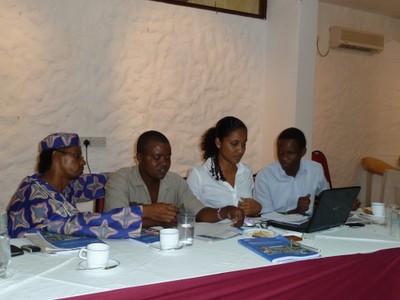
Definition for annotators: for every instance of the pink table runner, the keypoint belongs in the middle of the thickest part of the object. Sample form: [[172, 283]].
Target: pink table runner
[[358, 276]]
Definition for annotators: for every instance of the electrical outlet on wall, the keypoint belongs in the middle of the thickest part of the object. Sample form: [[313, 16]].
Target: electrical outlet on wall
[[94, 141]]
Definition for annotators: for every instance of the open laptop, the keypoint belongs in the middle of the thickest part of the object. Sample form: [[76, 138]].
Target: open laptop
[[333, 209]]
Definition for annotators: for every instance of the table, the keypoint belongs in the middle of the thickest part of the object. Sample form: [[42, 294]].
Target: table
[[146, 273]]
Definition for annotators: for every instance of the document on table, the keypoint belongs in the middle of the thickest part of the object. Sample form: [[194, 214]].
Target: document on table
[[54, 242], [290, 218], [217, 231]]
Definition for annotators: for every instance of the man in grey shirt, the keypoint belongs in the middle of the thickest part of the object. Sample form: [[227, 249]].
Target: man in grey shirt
[[165, 193]]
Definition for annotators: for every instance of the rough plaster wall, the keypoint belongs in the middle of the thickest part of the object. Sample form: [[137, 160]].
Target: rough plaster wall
[[118, 68], [357, 97]]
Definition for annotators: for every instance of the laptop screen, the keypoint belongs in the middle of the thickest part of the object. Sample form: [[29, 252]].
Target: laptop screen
[[333, 209]]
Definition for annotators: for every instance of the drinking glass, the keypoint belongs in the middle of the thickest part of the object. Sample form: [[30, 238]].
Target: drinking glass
[[394, 229], [388, 214], [5, 251], [186, 224]]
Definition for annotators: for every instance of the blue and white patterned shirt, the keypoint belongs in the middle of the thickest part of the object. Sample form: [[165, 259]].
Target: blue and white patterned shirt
[[36, 204]]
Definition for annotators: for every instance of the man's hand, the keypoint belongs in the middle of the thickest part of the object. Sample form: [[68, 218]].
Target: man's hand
[[303, 204], [250, 206], [160, 212], [356, 204]]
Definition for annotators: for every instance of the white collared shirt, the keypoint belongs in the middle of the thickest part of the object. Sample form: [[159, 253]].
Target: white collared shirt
[[216, 194], [279, 192]]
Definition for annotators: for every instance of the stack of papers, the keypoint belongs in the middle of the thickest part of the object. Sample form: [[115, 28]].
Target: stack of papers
[[290, 219], [216, 232]]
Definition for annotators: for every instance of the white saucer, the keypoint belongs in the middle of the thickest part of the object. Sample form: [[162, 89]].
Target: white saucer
[[111, 264], [373, 218], [254, 232], [157, 246]]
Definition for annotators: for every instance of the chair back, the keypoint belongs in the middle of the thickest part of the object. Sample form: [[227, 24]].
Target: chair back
[[99, 205], [390, 194], [319, 157]]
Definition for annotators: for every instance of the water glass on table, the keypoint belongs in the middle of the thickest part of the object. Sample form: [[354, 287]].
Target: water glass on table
[[186, 224], [388, 214], [5, 255], [394, 221], [5, 252]]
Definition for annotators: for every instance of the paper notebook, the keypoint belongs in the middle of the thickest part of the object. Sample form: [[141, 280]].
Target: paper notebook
[[216, 231]]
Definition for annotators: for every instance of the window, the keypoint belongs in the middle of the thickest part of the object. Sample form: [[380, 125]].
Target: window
[[248, 8]]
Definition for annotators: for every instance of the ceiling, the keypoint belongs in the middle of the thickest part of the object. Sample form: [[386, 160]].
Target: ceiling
[[389, 8]]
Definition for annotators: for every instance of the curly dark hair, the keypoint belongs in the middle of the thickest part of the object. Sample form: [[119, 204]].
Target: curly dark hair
[[221, 130]]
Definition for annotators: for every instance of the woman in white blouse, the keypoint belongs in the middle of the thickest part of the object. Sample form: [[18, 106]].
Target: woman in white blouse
[[223, 180]]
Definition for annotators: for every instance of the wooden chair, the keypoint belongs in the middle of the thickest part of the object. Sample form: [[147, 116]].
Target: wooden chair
[[390, 194], [99, 205], [318, 156], [375, 166]]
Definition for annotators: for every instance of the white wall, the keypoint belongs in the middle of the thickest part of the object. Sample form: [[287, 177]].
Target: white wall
[[290, 80], [117, 68], [356, 111]]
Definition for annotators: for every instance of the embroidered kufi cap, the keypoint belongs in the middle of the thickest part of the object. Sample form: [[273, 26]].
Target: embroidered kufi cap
[[59, 140]]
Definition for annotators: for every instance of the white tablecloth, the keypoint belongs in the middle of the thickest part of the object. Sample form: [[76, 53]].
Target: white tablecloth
[[44, 276]]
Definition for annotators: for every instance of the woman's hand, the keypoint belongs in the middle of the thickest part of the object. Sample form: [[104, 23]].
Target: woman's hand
[[250, 206], [235, 214]]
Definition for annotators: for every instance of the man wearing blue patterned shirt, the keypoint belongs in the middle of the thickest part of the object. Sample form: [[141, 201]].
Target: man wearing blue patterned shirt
[[47, 200]]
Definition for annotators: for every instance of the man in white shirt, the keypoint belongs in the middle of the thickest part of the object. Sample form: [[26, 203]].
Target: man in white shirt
[[290, 184]]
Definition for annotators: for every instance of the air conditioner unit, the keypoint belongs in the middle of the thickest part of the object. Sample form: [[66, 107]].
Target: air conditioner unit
[[355, 39]]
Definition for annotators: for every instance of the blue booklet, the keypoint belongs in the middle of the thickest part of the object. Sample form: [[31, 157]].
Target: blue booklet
[[53, 242], [147, 236], [279, 249]]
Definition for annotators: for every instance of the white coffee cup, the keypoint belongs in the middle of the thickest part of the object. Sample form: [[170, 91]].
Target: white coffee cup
[[169, 238], [96, 255], [378, 209]]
